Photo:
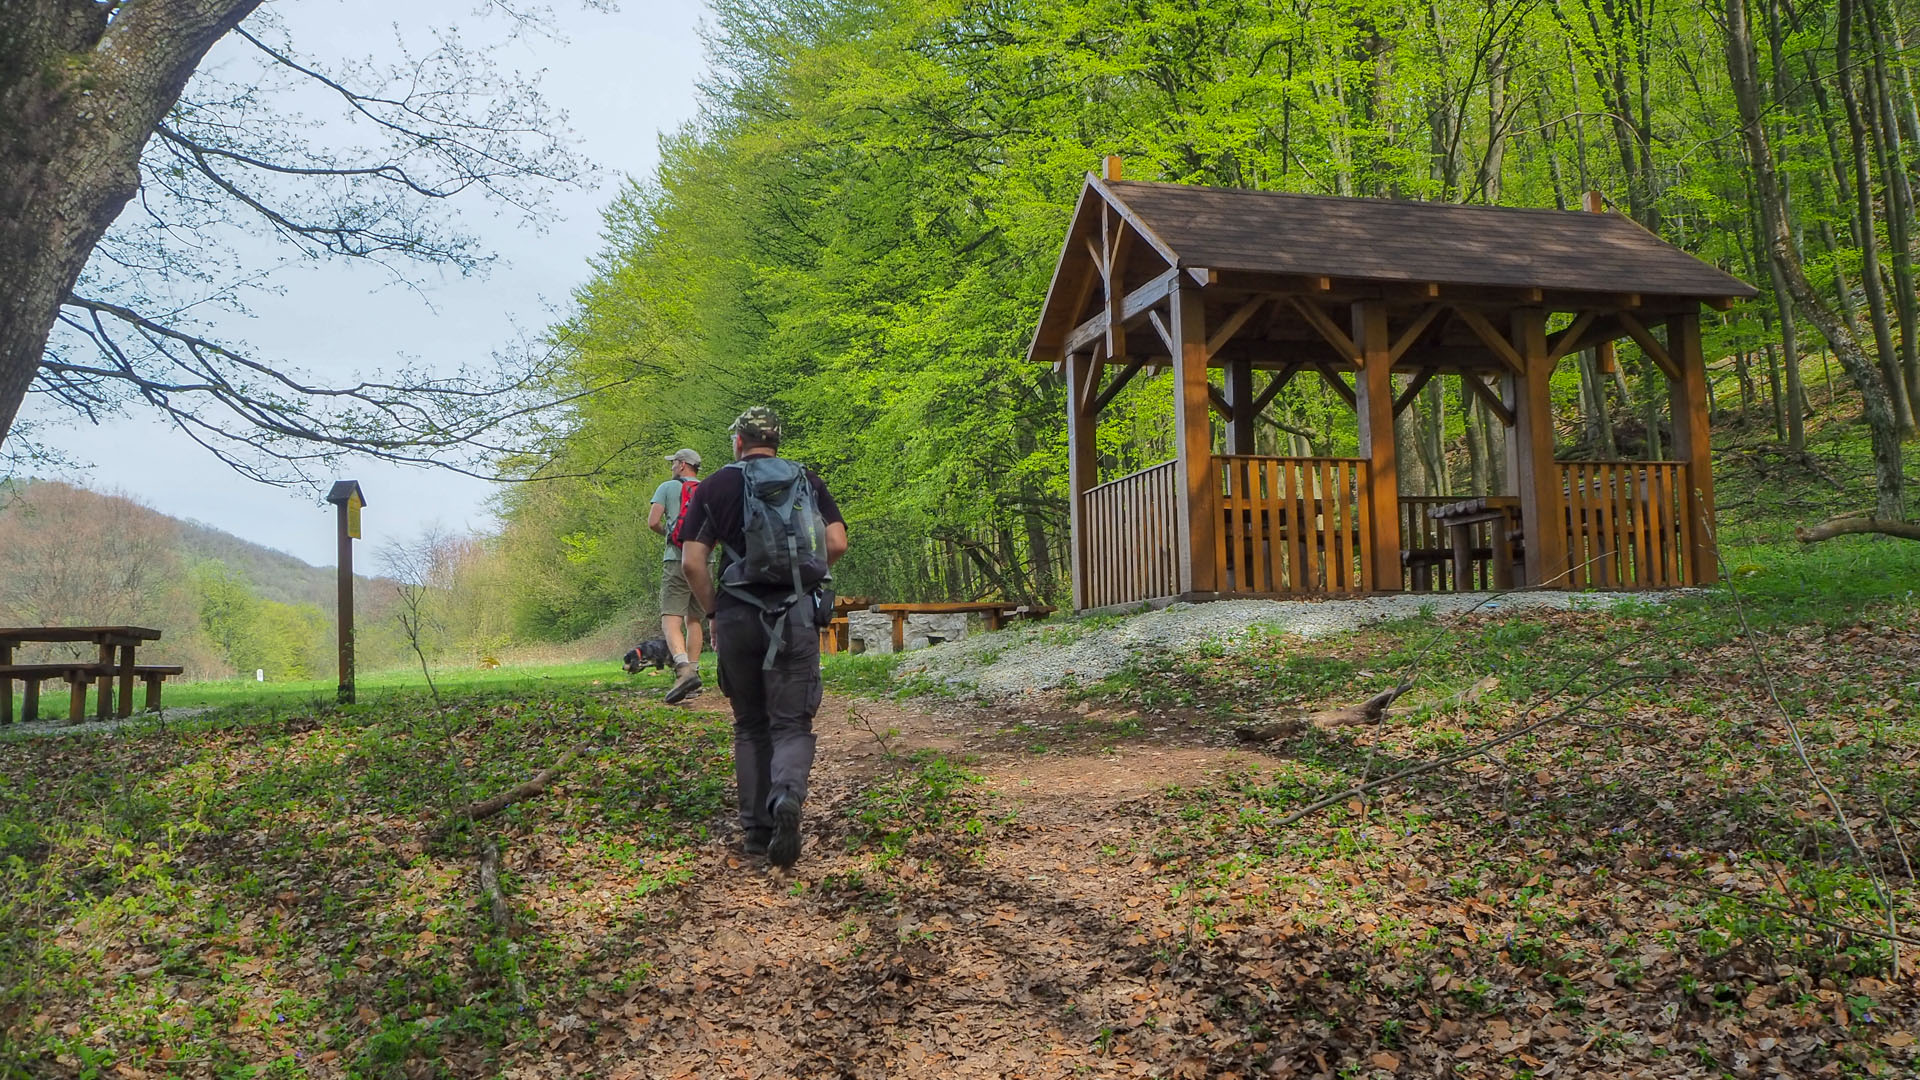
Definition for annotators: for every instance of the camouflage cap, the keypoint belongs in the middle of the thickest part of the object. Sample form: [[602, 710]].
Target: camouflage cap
[[758, 422]]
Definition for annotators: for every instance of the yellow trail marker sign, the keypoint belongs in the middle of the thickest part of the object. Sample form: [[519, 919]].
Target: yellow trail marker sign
[[354, 503]]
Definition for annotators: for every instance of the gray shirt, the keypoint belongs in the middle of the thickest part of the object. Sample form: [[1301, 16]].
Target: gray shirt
[[667, 495]]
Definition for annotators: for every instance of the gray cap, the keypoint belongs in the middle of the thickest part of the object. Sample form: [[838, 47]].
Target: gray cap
[[691, 457]]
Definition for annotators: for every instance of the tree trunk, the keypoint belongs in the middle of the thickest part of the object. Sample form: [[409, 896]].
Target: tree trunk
[[79, 95], [1867, 237], [1899, 203], [1890, 482]]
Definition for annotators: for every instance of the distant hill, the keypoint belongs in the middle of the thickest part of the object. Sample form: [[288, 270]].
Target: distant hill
[[275, 575]]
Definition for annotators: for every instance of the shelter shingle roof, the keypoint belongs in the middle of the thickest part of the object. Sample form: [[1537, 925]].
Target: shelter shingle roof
[[1385, 240]]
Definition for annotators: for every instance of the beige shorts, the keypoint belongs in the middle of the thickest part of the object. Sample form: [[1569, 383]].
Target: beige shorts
[[676, 596]]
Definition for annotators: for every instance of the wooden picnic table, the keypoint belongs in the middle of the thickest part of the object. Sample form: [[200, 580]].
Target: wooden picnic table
[[116, 644], [833, 636], [994, 612], [1460, 518]]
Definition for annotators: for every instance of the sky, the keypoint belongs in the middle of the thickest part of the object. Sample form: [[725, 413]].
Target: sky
[[623, 78]]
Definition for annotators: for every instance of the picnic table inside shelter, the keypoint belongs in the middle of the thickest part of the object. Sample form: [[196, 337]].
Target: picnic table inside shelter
[[115, 663], [994, 612]]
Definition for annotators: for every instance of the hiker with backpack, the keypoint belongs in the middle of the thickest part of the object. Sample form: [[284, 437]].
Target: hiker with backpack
[[779, 532], [679, 614]]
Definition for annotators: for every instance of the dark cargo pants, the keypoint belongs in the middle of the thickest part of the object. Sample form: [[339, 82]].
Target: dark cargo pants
[[772, 709]]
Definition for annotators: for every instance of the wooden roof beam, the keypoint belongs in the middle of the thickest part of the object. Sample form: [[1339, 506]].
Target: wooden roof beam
[[1219, 402], [1136, 304], [1501, 348], [1338, 384], [1116, 384], [1655, 351], [1328, 329], [1232, 325], [1413, 389], [1274, 385], [1564, 344], [1488, 398], [1412, 333]]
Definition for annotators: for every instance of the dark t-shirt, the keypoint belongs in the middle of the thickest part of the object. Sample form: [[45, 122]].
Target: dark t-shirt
[[714, 517]]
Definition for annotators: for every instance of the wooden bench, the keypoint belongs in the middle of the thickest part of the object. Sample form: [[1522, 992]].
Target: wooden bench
[[79, 675]]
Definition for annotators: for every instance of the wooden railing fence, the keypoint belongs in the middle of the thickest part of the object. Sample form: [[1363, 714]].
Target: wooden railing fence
[[1291, 525], [1627, 525], [1130, 537]]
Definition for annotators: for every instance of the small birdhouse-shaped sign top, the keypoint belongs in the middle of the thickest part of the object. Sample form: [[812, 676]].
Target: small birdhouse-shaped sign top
[[346, 494]]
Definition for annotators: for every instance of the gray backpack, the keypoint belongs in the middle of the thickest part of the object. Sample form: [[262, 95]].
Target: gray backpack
[[785, 555]]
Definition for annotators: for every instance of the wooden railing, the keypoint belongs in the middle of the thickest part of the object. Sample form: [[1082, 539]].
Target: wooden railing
[[1428, 545], [1130, 539], [1626, 524], [1291, 525]]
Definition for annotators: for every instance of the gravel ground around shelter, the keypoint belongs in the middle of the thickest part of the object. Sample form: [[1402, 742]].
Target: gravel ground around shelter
[[1043, 656]]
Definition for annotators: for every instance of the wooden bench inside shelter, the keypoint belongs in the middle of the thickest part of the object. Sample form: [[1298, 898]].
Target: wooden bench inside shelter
[[995, 613]]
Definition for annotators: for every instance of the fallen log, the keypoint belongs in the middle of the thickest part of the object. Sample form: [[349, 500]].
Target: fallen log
[[1857, 523], [501, 914], [1367, 712], [488, 807]]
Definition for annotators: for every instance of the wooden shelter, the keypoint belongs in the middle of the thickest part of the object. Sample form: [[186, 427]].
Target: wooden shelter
[[1262, 287]]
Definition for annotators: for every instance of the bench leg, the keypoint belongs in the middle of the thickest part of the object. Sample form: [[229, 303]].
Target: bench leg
[[126, 683], [153, 691], [77, 696], [6, 701], [105, 702], [899, 631], [30, 703]]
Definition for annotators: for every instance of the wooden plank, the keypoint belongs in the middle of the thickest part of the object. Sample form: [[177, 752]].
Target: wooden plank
[[1343, 346], [1655, 351], [1669, 546], [1501, 348], [1219, 402], [1659, 524], [1368, 571], [1374, 408], [1689, 574], [1413, 331], [1626, 552], [1223, 540], [1687, 397], [1573, 476]]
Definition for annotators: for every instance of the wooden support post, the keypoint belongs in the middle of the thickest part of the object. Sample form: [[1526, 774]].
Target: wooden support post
[[103, 697], [1373, 404], [1531, 468], [6, 684], [126, 683], [1198, 514], [347, 496], [1240, 405], [1083, 419], [77, 695], [1687, 396]]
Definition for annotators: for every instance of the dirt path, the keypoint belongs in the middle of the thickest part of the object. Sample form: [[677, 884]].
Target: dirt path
[[1029, 955]]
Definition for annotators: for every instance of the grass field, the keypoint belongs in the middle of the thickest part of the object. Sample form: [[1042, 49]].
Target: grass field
[[1642, 874]]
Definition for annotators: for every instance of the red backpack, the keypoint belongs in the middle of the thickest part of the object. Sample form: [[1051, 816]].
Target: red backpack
[[687, 488]]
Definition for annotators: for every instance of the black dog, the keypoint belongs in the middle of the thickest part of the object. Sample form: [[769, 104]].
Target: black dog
[[653, 651]]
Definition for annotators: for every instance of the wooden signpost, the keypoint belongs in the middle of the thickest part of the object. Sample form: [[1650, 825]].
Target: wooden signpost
[[346, 495]]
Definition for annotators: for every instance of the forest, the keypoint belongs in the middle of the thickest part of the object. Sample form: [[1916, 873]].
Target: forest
[[860, 227]]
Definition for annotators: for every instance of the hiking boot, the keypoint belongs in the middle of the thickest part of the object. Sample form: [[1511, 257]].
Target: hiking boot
[[784, 849], [686, 681], [756, 842]]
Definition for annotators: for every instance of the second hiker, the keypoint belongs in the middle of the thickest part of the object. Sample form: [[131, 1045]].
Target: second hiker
[[679, 615]]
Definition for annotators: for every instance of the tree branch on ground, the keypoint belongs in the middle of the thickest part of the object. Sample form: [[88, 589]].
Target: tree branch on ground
[[1862, 522]]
